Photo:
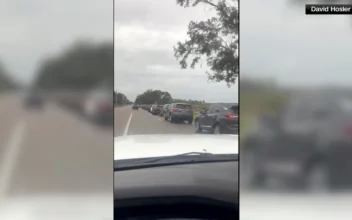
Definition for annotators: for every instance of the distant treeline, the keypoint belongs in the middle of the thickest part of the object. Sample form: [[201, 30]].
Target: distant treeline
[[151, 96], [83, 65], [121, 99], [6, 82]]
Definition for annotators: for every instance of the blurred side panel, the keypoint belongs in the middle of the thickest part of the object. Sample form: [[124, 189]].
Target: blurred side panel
[[296, 108], [56, 111]]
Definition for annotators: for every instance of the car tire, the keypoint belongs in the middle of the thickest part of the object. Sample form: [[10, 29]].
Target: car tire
[[197, 127]]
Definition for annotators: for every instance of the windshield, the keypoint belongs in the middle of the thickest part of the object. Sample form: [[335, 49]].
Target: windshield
[[183, 106], [171, 85], [233, 108]]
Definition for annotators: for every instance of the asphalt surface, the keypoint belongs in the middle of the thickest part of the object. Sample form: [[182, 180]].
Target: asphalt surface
[[51, 150], [135, 122]]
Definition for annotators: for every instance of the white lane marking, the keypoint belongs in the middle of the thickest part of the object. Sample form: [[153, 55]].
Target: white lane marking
[[160, 119], [10, 158], [127, 125]]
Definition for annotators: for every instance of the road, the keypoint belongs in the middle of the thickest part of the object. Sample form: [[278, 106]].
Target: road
[[51, 151], [128, 122]]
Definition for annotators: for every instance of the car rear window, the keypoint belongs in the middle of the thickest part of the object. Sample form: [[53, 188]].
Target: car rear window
[[233, 109], [183, 106]]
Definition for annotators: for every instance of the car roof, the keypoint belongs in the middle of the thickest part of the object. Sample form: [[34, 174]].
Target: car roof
[[180, 103]]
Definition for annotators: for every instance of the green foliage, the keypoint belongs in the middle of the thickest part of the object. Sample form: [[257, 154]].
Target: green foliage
[[154, 97], [83, 66], [259, 97], [190, 101], [6, 82], [151, 96], [120, 99], [215, 39]]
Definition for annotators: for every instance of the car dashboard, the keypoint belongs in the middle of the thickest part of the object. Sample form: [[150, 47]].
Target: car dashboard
[[187, 191]]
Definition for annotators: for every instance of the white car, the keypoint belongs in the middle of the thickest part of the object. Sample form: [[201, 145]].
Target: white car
[[144, 146]]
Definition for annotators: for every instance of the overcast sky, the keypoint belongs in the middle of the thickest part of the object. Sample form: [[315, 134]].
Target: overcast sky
[[30, 30], [275, 40], [145, 33], [278, 40]]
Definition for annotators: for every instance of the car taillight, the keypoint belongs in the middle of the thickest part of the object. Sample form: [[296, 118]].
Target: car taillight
[[231, 117], [174, 109], [192, 110]]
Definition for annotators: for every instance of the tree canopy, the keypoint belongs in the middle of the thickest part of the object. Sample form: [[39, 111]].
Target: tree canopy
[[215, 39], [82, 66], [151, 96], [6, 82], [190, 101], [121, 99], [154, 97]]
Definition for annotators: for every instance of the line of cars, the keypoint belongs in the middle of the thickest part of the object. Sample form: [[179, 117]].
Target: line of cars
[[217, 118], [306, 145], [174, 112], [95, 104]]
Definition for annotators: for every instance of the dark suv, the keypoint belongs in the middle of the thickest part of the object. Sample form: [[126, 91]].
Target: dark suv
[[218, 119], [135, 107], [156, 109], [179, 112], [307, 145]]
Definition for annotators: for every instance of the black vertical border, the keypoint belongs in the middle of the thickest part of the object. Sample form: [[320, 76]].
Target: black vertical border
[[113, 108], [239, 110]]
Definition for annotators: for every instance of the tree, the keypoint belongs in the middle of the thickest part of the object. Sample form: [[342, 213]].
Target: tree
[[215, 40], [154, 97], [190, 101], [82, 66], [6, 82], [120, 99]]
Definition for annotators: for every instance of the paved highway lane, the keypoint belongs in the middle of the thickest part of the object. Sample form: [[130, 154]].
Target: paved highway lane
[[9, 113], [128, 122], [52, 151]]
